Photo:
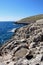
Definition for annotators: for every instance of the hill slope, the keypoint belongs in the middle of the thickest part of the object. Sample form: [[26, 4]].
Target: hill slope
[[31, 19]]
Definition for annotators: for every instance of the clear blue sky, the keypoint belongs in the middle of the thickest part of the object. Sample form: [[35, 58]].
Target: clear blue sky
[[17, 9]]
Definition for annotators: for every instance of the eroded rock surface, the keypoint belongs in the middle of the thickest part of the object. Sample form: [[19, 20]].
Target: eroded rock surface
[[25, 48]]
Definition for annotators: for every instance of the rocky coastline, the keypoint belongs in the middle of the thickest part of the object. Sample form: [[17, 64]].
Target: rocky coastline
[[25, 47]]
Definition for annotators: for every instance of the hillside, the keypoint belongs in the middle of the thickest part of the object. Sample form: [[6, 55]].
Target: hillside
[[31, 19], [25, 47]]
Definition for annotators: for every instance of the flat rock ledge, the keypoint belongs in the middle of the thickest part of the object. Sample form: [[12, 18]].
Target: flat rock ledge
[[25, 47]]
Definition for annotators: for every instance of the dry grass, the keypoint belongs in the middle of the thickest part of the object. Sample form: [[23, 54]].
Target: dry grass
[[31, 19]]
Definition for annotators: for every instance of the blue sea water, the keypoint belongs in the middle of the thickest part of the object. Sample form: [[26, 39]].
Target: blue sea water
[[5, 30]]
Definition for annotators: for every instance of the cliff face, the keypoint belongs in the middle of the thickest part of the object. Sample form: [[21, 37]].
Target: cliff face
[[26, 46]]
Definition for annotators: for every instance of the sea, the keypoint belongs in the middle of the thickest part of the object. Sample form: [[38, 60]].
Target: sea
[[7, 30]]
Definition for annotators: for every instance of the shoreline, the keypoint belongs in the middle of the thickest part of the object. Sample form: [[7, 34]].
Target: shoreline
[[25, 47]]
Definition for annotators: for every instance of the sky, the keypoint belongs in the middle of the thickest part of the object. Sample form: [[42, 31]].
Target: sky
[[13, 10]]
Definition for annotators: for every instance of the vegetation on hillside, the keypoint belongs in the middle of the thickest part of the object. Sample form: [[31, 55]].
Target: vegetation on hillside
[[30, 19]]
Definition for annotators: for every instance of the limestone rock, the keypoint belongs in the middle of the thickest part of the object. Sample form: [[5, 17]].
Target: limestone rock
[[25, 47]]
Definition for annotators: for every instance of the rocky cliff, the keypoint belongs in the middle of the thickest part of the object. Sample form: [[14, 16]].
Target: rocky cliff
[[25, 47]]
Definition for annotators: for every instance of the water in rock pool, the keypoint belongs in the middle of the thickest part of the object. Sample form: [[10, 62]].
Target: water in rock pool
[[7, 30]]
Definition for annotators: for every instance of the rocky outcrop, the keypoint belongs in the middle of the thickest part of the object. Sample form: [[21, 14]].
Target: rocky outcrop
[[25, 47]]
